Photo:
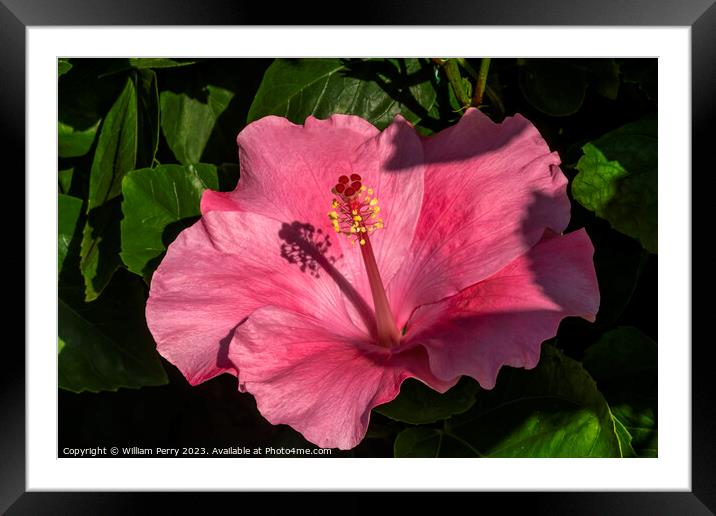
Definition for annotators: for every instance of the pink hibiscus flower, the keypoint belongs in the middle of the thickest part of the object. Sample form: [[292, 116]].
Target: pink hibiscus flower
[[348, 259]]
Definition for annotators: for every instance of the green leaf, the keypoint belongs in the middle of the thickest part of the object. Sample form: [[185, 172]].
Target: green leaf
[[159, 62], [374, 90], [556, 87], [189, 115], [116, 151], [158, 203], [418, 404], [617, 180], [105, 345], [68, 213], [115, 155], [554, 410], [73, 142], [624, 363], [64, 178], [625, 439], [63, 66]]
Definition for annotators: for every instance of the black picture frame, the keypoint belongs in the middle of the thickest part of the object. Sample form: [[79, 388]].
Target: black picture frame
[[17, 15]]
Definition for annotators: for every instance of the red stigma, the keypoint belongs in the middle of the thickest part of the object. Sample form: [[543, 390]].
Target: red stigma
[[340, 187], [354, 177], [343, 179]]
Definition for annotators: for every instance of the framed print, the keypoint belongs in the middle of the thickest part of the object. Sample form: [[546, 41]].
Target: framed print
[[452, 257]]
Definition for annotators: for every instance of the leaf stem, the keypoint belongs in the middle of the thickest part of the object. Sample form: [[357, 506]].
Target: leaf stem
[[481, 82], [453, 74]]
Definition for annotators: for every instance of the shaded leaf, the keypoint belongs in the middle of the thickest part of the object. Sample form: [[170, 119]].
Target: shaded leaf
[[115, 156], [617, 180], [68, 213], [158, 203], [624, 363], [618, 261], [556, 87], [419, 404], [376, 91], [431, 442], [147, 117], [642, 72], [604, 76], [554, 410], [105, 345]]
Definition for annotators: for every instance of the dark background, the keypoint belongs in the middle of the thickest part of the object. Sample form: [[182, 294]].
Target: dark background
[[215, 414]]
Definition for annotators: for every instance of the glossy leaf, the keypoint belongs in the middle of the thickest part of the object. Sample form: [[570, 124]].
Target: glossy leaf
[[556, 87], [376, 91], [624, 363], [158, 203], [617, 180], [554, 410], [105, 345], [418, 404], [68, 213], [189, 116], [115, 156]]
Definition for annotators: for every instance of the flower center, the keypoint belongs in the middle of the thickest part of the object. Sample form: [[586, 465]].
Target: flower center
[[355, 215]]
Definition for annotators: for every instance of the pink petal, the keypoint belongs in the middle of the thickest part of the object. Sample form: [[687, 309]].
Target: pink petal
[[491, 190], [224, 267], [322, 380], [504, 319], [288, 171]]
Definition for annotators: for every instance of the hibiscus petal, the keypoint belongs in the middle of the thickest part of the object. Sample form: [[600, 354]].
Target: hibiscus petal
[[504, 319], [321, 380], [225, 266], [491, 190], [288, 171]]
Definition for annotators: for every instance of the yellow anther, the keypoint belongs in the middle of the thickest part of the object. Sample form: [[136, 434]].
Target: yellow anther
[[376, 209], [367, 198], [332, 215], [353, 229], [373, 202], [354, 212], [334, 204], [362, 230], [362, 188], [357, 218], [370, 191], [362, 241]]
